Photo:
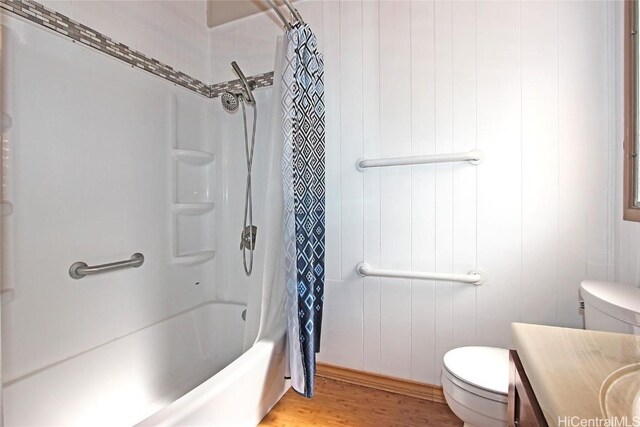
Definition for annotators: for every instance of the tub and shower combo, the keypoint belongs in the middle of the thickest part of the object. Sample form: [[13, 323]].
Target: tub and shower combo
[[125, 198]]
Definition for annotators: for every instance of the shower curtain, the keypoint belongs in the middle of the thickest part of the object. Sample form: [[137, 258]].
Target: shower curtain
[[304, 202]]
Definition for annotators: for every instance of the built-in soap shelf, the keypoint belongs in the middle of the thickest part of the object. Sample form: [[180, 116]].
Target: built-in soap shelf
[[193, 176], [193, 207], [194, 233], [193, 157], [194, 258]]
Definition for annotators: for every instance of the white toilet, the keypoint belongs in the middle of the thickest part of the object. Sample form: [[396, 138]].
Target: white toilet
[[475, 380]]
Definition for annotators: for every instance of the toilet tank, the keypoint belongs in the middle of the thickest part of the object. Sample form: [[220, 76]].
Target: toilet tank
[[611, 307]]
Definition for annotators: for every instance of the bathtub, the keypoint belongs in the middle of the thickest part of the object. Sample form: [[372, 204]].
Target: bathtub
[[184, 370]]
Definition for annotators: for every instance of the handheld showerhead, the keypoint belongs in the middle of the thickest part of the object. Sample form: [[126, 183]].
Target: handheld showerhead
[[230, 102], [247, 86]]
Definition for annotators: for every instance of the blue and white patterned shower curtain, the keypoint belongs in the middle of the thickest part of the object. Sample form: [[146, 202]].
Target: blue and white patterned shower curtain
[[304, 202]]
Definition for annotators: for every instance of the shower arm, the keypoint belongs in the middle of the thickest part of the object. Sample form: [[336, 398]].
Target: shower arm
[[245, 83]]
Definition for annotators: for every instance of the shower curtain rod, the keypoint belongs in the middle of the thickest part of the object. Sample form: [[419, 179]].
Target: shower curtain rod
[[293, 10], [286, 24]]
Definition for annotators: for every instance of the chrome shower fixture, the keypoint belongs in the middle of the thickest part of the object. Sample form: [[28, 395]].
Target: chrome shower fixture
[[230, 102], [248, 86], [248, 237]]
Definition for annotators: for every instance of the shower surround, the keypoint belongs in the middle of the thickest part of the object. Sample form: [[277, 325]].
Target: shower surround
[[102, 158]]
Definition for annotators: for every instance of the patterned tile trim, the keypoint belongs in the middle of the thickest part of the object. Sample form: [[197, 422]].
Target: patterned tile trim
[[260, 80], [61, 24]]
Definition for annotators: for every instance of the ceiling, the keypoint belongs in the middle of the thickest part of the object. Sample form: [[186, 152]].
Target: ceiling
[[222, 11]]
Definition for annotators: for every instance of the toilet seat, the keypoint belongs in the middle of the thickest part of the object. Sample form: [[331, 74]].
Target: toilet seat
[[475, 383], [480, 370], [478, 391]]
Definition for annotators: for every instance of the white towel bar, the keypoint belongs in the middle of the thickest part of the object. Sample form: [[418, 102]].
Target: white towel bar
[[475, 277], [475, 157]]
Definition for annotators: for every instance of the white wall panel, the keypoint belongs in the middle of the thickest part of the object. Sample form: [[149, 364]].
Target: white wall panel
[[254, 47], [341, 342], [351, 105], [423, 191], [600, 96], [222, 48], [395, 186], [539, 161], [574, 59], [499, 176], [443, 178], [346, 295], [464, 175], [371, 182], [331, 50]]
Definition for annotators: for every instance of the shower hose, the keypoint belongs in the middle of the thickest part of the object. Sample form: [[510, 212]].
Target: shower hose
[[248, 199]]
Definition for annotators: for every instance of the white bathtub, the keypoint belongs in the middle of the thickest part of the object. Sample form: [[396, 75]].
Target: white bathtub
[[185, 370]]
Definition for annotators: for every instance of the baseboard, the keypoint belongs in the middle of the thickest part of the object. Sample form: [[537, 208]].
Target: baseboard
[[415, 389]]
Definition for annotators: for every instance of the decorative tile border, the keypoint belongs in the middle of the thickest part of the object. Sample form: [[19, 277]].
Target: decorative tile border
[[61, 24], [260, 80]]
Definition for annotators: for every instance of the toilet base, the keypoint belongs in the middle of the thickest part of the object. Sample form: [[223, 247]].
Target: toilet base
[[481, 412]]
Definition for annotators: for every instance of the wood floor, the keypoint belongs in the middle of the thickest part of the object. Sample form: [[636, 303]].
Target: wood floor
[[340, 404]]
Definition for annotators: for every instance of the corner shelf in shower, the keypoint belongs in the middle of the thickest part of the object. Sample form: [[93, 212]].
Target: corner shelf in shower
[[194, 258], [197, 208], [192, 199], [192, 207], [194, 233], [192, 157]]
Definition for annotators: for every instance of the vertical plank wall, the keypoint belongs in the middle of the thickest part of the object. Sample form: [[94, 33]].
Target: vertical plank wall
[[530, 85]]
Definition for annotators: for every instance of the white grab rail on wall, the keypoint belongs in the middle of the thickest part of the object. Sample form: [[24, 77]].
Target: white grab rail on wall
[[474, 157], [475, 277]]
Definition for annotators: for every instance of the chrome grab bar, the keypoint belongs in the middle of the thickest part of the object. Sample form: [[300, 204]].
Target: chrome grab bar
[[80, 269]]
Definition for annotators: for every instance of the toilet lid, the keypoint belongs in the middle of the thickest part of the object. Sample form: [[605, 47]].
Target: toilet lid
[[484, 367]]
